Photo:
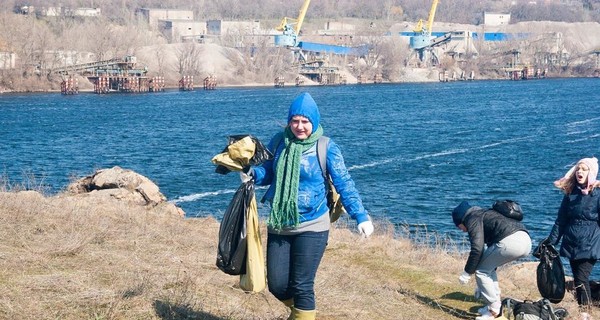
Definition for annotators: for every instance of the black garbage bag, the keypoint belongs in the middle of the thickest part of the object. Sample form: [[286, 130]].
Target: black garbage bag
[[231, 255], [550, 273], [261, 153]]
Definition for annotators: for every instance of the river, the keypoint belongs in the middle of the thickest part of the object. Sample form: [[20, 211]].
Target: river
[[415, 150]]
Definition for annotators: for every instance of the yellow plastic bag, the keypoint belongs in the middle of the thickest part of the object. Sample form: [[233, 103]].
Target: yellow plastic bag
[[254, 280], [238, 154]]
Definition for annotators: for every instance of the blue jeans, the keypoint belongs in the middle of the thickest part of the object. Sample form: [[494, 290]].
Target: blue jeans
[[292, 263]]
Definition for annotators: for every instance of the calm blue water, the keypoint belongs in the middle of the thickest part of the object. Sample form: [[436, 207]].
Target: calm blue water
[[414, 150]]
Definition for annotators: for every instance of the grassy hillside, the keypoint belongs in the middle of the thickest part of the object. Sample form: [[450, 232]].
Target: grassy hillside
[[66, 257]]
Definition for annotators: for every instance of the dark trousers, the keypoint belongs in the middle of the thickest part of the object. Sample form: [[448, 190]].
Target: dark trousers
[[582, 269], [292, 263]]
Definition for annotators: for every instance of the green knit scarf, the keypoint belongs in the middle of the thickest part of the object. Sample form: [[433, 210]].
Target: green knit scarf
[[284, 209]]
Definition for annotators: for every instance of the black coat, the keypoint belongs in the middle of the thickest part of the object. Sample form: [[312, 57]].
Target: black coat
[[486, 227], [577, 225]]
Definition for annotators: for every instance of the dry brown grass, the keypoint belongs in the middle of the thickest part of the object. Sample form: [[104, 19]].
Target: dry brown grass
[[76, 258]]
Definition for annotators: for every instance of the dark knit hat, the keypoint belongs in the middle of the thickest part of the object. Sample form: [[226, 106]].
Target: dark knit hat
[[304, 105], [459, 212]]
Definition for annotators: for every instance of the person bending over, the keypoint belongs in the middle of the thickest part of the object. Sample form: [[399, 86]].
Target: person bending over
[[495, 240]]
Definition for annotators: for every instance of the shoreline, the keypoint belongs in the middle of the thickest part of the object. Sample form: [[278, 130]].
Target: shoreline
[[259, 85], [269, 85]]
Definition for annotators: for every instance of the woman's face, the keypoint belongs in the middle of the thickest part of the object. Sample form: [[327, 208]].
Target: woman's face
[[301, 127], [581, 174]]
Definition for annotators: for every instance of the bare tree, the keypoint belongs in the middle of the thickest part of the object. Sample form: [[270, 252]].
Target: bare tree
[[188, 58], [160, 55], [394, 53]]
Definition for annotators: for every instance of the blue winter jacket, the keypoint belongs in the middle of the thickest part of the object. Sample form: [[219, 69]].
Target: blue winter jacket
[[312, 200], [577, 225]]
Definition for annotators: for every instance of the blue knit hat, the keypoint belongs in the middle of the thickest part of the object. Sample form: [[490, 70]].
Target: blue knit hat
[[459, 212], [305, 106]]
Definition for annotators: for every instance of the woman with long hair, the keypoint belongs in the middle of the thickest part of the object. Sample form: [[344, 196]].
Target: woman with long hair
[[577, 224]]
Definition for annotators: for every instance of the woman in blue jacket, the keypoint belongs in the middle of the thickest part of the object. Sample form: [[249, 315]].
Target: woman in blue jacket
[[298, 224], [577, 224]]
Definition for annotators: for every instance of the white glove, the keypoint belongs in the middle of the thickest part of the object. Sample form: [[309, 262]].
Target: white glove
[[366, 228], [464, 278], [245, 177]]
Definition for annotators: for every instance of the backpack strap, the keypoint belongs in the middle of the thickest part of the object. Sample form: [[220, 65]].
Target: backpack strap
[[322, 145], [334, 203]]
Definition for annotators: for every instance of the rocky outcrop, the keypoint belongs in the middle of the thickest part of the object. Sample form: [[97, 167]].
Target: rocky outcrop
[[125, 185]]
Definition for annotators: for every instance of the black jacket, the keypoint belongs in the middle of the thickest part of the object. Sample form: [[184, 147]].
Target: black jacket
[[486, 227], [577, 226]]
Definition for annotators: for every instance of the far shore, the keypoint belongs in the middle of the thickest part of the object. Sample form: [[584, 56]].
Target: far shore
[[266, 85]]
